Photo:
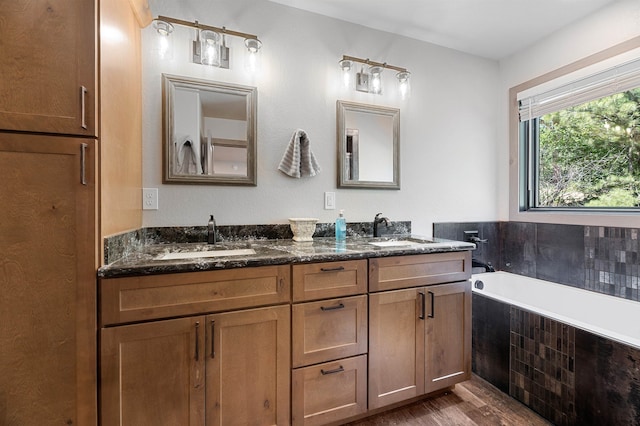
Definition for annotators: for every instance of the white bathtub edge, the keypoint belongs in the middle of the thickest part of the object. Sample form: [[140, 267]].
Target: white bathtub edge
[[589, 327]]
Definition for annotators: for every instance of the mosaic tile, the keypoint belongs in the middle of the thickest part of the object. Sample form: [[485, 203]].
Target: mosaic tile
[[542, 372]]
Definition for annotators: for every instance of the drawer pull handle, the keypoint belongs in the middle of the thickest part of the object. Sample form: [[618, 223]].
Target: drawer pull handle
[[433, 312], [197, 338], [336, 269], [422, 305], [337, 370], [332, 308], [213, 348]]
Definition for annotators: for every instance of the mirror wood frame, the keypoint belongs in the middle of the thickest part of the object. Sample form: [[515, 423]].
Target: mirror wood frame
[[169, 84], [343, 108]]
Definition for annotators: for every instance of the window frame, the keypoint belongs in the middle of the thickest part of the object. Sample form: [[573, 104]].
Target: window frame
[[521, 157]]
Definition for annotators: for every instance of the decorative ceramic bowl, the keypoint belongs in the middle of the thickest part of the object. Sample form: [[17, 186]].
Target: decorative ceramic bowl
[[303, 228]]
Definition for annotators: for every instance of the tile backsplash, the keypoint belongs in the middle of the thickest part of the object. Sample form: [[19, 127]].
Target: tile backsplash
[[596, 258]]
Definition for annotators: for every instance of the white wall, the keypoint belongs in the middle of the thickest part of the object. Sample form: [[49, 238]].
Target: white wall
[[611, 25], [449, 126]]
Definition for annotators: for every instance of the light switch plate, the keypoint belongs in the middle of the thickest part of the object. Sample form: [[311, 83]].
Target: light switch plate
[[329, 200], [149, 198]]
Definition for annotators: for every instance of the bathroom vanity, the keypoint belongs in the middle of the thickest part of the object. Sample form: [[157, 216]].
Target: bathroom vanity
[[309, 333]]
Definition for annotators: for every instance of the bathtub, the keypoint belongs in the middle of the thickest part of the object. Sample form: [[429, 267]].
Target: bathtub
[[608, 316], [571, 355]]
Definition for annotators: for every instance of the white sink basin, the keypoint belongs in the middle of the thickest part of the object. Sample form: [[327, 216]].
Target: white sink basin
[[400, 243], [208, 253]]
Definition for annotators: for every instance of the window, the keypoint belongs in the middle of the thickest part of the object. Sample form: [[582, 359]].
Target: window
[[580, 143]]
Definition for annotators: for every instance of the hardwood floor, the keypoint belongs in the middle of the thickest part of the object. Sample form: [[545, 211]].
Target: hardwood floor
[[475, 402]]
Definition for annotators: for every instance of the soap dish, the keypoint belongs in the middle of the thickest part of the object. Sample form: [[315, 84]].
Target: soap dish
[[303, 228]]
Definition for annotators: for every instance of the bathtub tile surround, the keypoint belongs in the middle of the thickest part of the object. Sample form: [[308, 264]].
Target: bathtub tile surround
[[596, 258], [607, 382], [612, 258], [560, 253], [567, 374], [542, 373], [118, 246], [491, 321]]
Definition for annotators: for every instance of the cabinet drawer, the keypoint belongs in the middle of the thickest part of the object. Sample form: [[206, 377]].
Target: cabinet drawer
[[390, 273], [330, 392], [332, 279], [329, 329], [133, 299]]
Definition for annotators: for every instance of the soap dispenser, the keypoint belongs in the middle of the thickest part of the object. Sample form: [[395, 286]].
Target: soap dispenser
[[341, 227]]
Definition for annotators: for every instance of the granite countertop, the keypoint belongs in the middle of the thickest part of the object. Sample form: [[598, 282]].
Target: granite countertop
[[146, 261]]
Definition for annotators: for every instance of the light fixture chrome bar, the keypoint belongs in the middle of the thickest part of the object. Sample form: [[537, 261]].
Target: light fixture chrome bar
[[373, 63], [200, 26]]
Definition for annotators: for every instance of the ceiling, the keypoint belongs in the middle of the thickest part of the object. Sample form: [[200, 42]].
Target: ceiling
[[492, 29]]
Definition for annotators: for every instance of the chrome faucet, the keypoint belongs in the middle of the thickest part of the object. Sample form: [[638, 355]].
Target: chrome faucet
[[378, 220], [211, 230]]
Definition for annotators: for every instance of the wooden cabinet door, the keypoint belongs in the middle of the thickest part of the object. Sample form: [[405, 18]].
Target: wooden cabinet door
[[48, 66], [448, 335], [47, 280], [396, 347], [248, 366], [152, 374]]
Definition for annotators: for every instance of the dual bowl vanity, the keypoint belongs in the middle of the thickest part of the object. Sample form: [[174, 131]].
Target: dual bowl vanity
[[280, 332]]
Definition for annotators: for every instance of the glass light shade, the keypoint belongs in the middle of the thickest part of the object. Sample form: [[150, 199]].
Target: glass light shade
[[252, 57], [210, 48], [165, 41], [404, 83], [376, 80], [345, 65]]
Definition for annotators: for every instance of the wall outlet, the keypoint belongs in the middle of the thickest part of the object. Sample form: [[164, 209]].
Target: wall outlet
[[149, 198], [329, 200]]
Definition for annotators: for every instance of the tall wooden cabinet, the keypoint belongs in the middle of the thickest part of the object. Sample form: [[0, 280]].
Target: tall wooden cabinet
[[56, 157], [47, 280]]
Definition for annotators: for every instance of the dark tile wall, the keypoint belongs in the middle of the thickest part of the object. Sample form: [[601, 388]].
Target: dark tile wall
[[490, 335], [542, 374], [612, 261], [607, 382], [560, 253], [602, 259], [487, 252]]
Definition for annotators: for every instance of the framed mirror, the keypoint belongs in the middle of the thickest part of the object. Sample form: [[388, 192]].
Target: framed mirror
[[209, 132], [368, 146]]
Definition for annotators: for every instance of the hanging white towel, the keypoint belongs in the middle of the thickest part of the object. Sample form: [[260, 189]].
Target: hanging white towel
[[187, 157], [298, 160]]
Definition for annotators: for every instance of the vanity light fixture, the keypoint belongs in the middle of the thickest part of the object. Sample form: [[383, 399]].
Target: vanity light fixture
[[253, 46], [362, 80], [209, 46], [376, 80], [371, 82], [164, 29], [346, 65], [403, 83]]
